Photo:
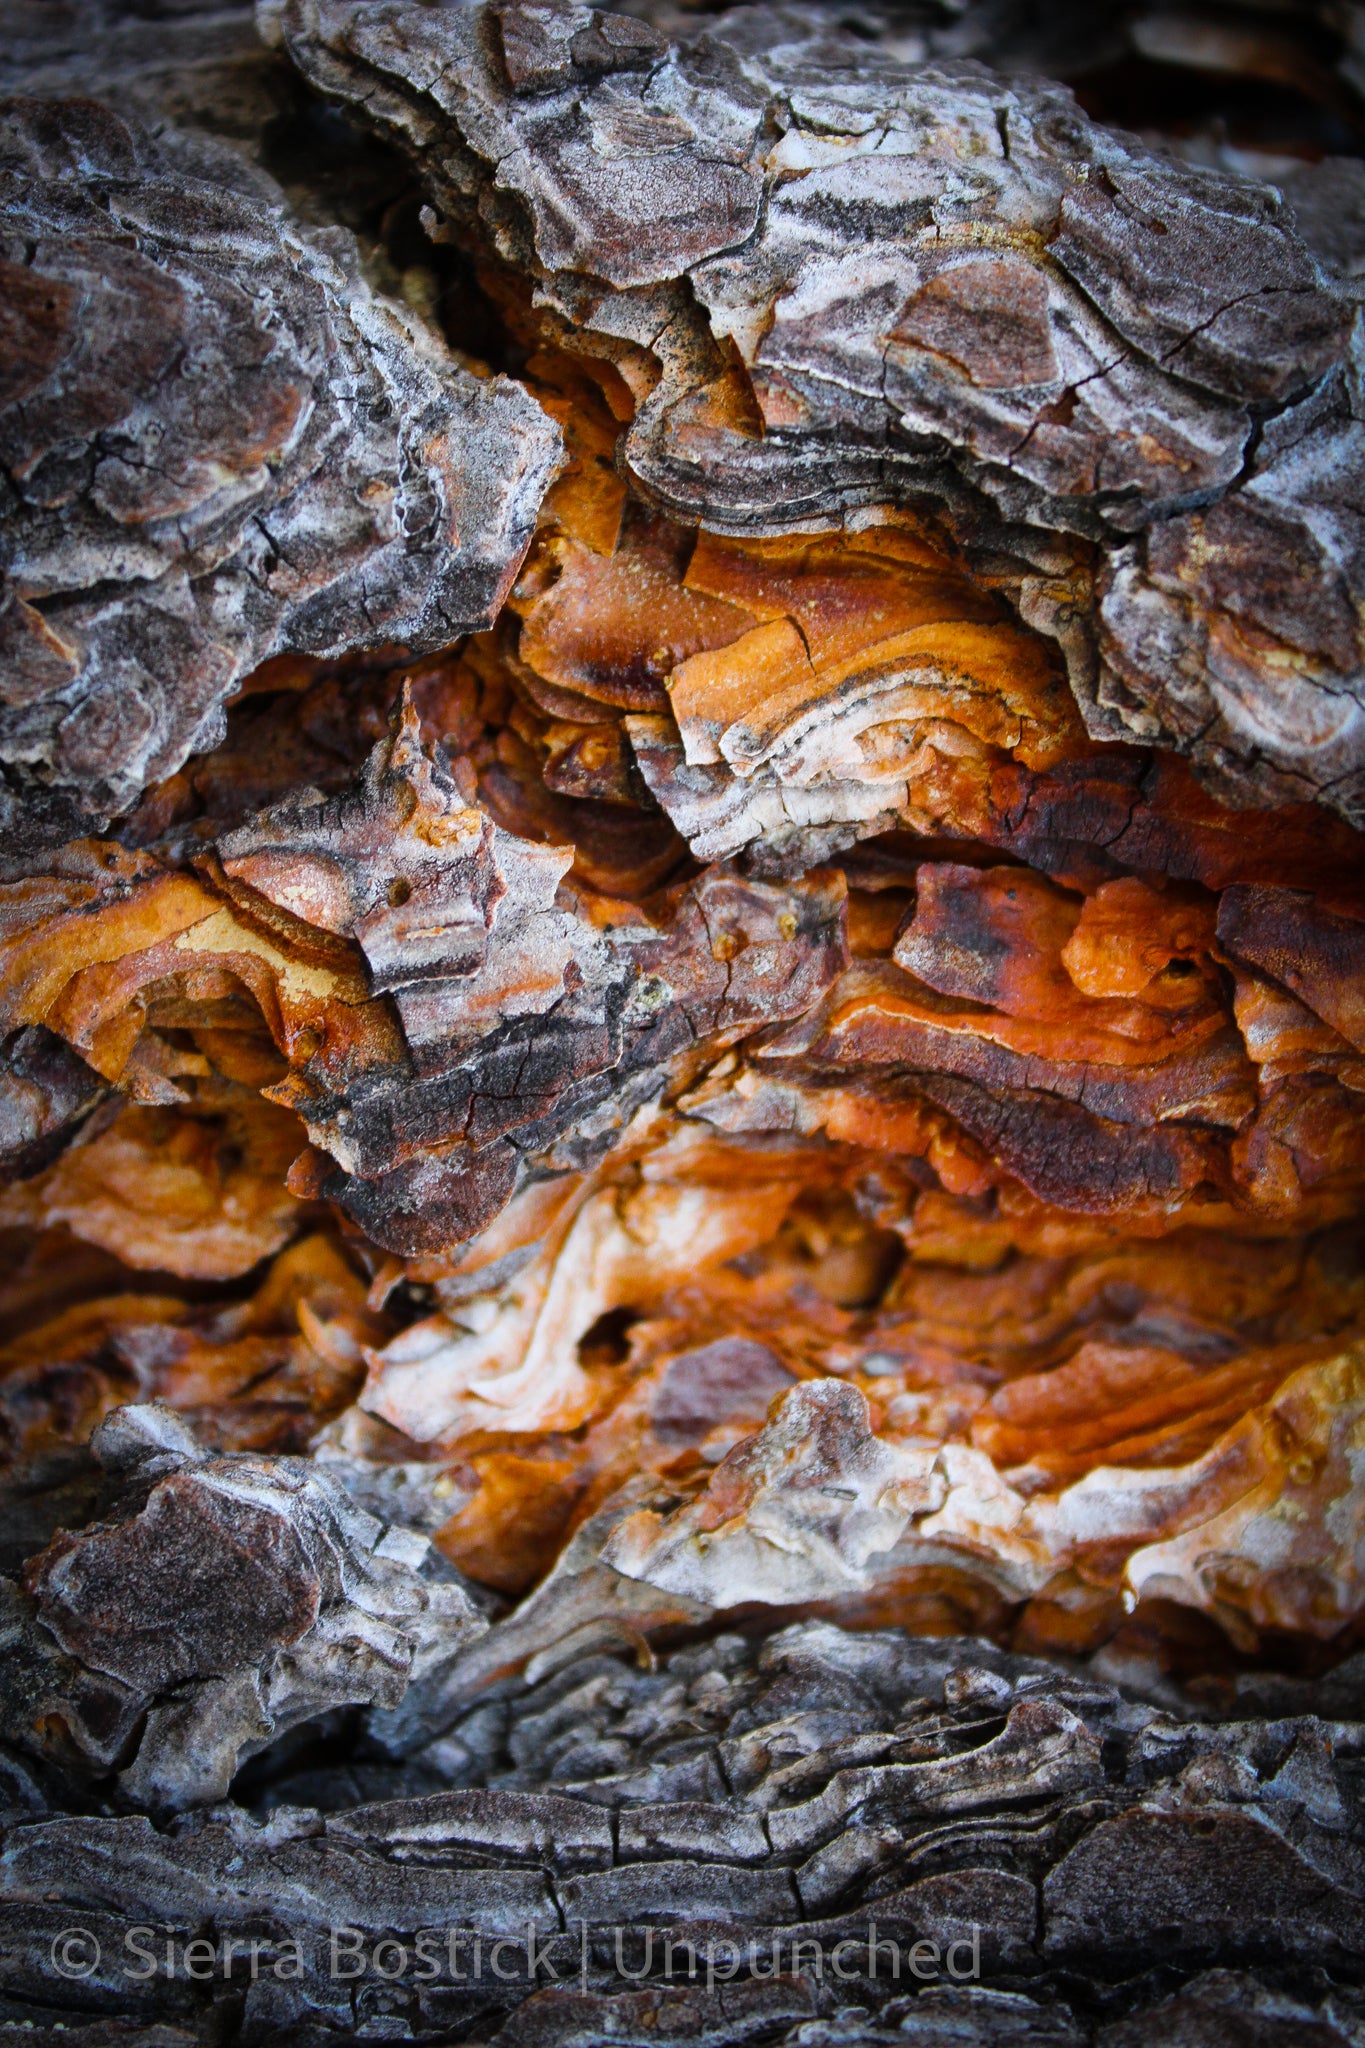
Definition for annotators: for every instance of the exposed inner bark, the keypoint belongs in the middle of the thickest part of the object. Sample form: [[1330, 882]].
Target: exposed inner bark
[[682, 962]]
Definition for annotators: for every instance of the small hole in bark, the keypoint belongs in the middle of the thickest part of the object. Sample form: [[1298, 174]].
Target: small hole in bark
[[607, 1342]]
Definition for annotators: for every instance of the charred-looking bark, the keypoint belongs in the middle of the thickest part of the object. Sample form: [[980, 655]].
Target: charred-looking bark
[[682, 1024]]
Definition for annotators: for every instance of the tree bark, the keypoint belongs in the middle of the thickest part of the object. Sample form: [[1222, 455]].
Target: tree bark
[[682, 1024]]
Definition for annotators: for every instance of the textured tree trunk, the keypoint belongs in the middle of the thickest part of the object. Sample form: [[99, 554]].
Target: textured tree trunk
[[682, 1023]]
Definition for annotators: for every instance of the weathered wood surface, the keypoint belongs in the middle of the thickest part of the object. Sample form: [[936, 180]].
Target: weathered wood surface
[[682, 958], [751, 1809], [218, 447], [841, 280]]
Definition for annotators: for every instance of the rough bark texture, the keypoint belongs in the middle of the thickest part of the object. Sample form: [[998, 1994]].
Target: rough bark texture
[[682, 1025], [884, 282], [1101, 1868], [218, 447]]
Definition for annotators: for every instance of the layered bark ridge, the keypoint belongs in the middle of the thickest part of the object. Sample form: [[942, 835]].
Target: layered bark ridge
[[716, 982], [833, 280], [828, 1838], [218, 447]]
